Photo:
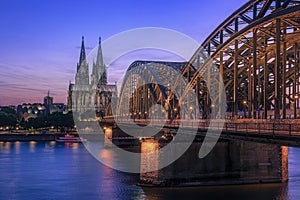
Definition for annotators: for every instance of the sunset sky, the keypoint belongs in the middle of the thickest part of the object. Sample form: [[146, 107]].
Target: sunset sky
[[40, 40]]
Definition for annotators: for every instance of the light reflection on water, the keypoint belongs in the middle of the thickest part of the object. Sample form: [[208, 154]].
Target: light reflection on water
[[67, 171]]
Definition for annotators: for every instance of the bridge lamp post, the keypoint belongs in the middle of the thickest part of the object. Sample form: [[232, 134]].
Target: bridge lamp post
[[244, 107], [191, 112], [296, 98], [174, 113], [214, 113]]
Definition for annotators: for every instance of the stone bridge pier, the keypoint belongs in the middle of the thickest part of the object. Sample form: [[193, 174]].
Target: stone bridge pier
[[230, 162]]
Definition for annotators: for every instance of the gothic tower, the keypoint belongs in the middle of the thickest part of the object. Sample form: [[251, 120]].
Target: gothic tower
[[82, 74], [94, 95], [99, 75]]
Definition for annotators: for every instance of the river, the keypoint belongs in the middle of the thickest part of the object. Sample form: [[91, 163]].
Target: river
[[31, 170]]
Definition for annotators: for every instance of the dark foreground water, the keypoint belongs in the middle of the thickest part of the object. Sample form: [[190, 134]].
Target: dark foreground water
[[58, 171]]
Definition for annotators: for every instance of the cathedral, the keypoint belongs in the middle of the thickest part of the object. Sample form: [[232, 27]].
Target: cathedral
[[91, 93]]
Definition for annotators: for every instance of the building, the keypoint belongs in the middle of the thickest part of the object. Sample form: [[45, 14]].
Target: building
[[91, 94], [34, 110], [48, 102]]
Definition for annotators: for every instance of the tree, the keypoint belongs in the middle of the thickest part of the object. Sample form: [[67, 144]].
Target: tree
[[68, 120], [8, 119], [9, 110]]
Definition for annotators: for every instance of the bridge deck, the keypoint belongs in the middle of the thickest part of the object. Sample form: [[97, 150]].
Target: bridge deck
[[284, 132]]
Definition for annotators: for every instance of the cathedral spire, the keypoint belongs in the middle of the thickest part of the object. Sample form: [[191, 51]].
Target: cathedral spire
[[82, 54], [82, 75], [99, 60], [99, 75]]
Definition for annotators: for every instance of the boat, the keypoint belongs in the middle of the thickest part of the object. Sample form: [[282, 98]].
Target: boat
[[69, 138]]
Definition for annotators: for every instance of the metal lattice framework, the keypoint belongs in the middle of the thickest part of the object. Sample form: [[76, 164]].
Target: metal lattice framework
[[255, 50], [149, 83]]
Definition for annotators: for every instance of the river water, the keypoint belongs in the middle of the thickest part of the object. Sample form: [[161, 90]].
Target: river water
[[30, 170]]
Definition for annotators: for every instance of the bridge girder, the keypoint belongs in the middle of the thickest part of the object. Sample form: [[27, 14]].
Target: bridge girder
[[256, 51], [263, 43]]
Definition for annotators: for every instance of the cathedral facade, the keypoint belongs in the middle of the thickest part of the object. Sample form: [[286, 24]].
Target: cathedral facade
[[91, 92]]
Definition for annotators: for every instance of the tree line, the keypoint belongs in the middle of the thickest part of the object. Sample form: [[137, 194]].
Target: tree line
[[9, 118]]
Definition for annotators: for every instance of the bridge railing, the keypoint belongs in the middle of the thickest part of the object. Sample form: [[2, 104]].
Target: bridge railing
[[287, 127], [262, 128]]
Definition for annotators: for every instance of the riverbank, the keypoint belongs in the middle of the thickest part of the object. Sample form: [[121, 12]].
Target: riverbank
[[26, 137]]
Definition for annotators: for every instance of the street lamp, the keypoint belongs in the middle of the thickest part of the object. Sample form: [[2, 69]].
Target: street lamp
[[244, 107], [296, 97]]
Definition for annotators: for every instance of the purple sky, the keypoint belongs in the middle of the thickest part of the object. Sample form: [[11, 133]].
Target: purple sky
[[40, 40]]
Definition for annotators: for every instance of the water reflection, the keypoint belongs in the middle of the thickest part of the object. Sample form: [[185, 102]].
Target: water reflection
[[32, 146], [57, 171], [245, 192], [7, 146], [17, 147], [111, 156], [50, 146]]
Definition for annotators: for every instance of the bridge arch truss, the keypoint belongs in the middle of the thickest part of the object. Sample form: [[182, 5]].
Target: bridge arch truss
[[256, 52]]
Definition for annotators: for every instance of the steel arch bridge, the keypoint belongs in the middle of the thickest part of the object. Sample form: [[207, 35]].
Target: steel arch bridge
[[256, 52]]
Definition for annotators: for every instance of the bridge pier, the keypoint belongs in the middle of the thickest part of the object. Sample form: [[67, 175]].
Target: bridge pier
[[230, 162], [108, 136]]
